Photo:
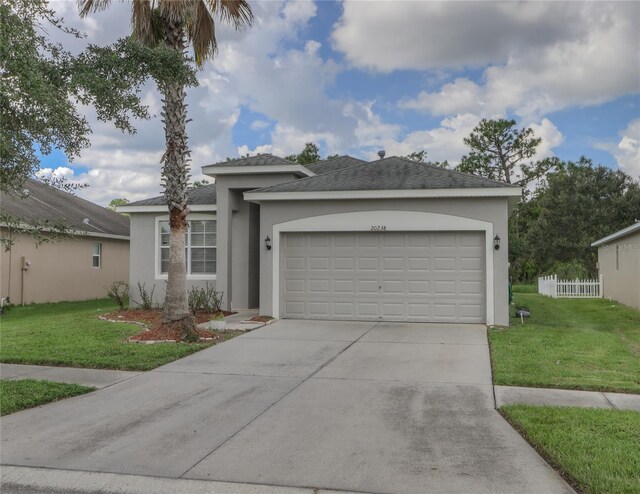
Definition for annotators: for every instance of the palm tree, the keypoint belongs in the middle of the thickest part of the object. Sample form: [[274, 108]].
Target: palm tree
[[178, 23]]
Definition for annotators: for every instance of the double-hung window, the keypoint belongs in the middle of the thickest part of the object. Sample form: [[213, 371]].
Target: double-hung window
[[200, 244], [97, 255]]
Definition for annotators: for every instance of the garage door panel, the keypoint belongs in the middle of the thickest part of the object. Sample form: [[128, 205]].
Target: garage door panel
[[319, 286], [294, 286], [419, 287], [447, 287], [319, 263], [419, 263], [367, 309], [294, 263], [471, 264], [444, 264], [393, 310], [344, 263], [393, 264], [403, 276], [368, 286], [368, 264], [366, 240], [393, 286]]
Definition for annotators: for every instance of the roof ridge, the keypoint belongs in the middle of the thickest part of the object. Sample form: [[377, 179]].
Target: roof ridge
[[239, 158], [435, 167], [298, 180]]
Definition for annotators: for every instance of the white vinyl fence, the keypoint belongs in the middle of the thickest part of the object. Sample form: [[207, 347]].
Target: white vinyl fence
[[551, 286]]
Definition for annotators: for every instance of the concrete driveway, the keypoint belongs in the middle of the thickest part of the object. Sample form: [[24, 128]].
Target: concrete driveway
[[366, 407]]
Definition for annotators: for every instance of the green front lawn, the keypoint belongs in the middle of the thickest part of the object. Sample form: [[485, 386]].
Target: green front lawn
[[596, 450], [28, 393], [591, 344], [70, 334]]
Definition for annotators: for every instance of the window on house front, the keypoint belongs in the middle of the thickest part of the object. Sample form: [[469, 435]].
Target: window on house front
[[97, 255], [200, 247]]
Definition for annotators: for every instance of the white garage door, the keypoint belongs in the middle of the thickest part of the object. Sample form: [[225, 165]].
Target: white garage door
[[393, 276]]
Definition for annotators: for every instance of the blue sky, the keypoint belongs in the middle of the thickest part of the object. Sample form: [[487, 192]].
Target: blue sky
[[356, 77]]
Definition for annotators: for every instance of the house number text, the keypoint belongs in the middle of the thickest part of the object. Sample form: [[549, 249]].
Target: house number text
[[378, 228]]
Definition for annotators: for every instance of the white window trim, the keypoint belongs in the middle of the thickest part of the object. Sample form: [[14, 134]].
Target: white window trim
[[99, 255], [163, 276], [362, 221]]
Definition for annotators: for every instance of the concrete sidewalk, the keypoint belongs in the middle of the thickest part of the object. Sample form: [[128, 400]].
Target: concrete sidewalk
[[511, 395], [26, 480], [97, 378], [504, 395]]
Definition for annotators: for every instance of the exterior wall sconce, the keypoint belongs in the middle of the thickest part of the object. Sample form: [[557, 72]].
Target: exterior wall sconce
[[496, 242], [267, 243]]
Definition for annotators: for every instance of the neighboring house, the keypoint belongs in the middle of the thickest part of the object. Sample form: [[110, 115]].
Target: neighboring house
[[619, 265], [71, 267], [392, 239]]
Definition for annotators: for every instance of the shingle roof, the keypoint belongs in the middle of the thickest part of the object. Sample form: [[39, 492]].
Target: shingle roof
[[258, 160], [333, 164], [46, 203], [205, 194], [391, 173]]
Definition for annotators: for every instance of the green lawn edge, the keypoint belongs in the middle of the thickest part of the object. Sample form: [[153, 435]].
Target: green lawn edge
[[581, 344], [70, 334], [21, 394], [598, 454]]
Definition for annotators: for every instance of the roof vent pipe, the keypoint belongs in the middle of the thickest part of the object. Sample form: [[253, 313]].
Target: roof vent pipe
[[381, 153]]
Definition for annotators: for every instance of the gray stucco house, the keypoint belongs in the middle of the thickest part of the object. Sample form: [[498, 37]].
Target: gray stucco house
[[343, 239], [619, 265]]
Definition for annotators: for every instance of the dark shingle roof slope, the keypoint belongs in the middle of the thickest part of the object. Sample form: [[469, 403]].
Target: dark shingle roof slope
[[387, 174], [205, 194], [258, 160], [333, 164], [46, 203]]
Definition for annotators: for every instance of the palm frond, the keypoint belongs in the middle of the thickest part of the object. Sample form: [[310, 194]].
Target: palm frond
[[143, 21], [202, 34], [87, 7], [176, 11], [236, 12]]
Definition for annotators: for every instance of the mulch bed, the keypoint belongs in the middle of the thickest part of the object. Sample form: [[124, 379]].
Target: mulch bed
[[158, 331], [261, 319]]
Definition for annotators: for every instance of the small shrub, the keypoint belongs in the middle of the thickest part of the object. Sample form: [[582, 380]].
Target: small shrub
[[218, 316], [119, 291], [205, 299], [146, 297]]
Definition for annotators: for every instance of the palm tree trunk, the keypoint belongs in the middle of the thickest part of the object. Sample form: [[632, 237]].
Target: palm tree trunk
[[175, 175]]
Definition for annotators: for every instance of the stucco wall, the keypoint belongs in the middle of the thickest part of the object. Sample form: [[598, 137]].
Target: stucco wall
[[144, 257], [62, 270], [236, 240], [492, 210], [621, 283]]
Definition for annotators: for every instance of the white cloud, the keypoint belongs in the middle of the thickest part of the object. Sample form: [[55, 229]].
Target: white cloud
[[627, 150], [387, 36], [543, 56], [550, 135]]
